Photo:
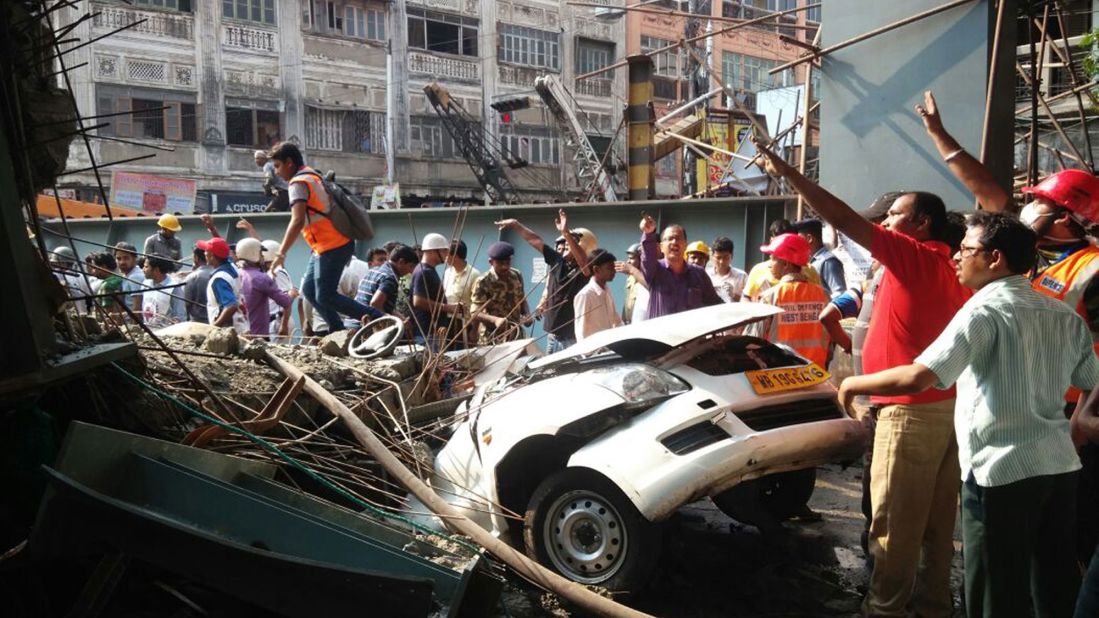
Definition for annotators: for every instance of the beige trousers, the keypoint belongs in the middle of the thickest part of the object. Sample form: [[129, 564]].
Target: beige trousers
[[914, 482]]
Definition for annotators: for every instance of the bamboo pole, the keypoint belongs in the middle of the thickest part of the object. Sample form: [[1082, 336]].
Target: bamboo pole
[[808, 92], [1068, 93], [992, 79], [523, 565], [873, 33], [1075, 85], [750, 22]]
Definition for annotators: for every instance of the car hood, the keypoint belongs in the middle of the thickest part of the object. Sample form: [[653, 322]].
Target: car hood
[[658, 336]]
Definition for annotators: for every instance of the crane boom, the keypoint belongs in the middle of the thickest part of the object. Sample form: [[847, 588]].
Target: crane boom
[[470, 139], [589, 169]]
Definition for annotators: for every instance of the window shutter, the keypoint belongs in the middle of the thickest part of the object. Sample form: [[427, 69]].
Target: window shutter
[[124, 123], [172, 121]]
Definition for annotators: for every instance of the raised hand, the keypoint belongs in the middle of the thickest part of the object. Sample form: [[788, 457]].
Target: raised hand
[[929, 112], [506, 224], [562, 221], [772, 163], [648, 224]]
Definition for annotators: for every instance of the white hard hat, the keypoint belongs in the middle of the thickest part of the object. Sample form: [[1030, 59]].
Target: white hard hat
[[270, 249], [434, 241], [250, 250], [588, 240]]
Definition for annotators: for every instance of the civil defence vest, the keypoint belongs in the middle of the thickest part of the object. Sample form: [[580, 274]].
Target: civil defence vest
[[319, 232], [1066, 281], [799, 326]]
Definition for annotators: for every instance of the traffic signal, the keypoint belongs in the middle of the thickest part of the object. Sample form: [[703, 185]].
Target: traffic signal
[[510, 104]]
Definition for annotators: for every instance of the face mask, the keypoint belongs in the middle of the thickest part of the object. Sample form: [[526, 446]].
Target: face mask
[[1029, 215]]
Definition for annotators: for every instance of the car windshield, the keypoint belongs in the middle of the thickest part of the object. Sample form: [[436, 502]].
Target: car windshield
[[737, 354]]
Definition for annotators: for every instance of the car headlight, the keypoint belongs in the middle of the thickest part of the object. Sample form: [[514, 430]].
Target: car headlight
[[639, 385]]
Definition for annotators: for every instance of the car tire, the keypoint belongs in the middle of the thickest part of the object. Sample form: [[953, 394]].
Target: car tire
[[780, 496], [582, 526]]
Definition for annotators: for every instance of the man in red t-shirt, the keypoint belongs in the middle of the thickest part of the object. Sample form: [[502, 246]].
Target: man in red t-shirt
[[914, 477]]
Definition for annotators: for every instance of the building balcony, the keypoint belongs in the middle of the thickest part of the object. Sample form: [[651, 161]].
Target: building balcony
[[443, 66], [595, 87], [247, 38], [153, 23]]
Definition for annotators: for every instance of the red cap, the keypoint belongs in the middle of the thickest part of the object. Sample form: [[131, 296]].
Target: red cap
[[789, 247], [217, 246]]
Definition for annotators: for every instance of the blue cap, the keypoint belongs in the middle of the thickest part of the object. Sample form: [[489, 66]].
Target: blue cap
[[501, 250]]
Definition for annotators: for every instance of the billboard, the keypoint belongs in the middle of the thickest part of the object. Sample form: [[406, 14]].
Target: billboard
[[152, 194], [715, 130], [233, 202]]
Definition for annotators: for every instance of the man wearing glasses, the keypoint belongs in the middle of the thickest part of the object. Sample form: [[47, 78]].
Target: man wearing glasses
[[674, 285], [1013, 353]]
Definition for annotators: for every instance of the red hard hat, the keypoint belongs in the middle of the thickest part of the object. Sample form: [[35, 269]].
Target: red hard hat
[[1074, 190], [789, 247]]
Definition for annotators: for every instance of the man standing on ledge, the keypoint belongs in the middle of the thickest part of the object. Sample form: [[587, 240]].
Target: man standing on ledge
[[309, 206], [674, 285]]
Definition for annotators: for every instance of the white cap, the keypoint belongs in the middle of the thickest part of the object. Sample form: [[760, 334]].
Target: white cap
[[434, 241], [250, 250], [260, 154], [270, 249]]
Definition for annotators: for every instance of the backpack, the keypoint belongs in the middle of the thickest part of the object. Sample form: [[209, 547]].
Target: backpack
[[348, 215]]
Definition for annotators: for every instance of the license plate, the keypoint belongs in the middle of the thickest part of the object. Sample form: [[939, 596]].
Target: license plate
[[766, 381]]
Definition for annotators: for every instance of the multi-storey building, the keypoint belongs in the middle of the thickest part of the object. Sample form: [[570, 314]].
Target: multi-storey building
[[741, 57], [207, 82]]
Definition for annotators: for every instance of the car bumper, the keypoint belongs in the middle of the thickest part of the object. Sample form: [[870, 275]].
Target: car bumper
[[659, 481]]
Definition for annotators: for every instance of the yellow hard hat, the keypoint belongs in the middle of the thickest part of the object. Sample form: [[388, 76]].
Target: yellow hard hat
[[169, 222], [697, 247], [589, 242]]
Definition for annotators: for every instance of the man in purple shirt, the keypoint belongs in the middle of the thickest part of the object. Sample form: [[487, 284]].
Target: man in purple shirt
[[257, 287], [674, 285]]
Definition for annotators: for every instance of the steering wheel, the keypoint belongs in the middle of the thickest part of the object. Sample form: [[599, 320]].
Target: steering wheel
[[366, 343]]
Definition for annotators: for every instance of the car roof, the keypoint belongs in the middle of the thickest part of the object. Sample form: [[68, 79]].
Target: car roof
[[658, 336]]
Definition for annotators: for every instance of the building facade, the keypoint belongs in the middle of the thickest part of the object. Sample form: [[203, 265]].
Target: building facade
[[207, 82], [741, 58]]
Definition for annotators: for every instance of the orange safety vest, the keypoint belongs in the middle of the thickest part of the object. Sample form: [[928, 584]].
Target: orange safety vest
[[799, 327], [1066, 281], [318, 232]]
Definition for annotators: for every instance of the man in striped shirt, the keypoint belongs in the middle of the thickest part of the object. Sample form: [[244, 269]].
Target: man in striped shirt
[[1013, 353]]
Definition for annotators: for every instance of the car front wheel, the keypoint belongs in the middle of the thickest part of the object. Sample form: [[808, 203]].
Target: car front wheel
[[582, 526]]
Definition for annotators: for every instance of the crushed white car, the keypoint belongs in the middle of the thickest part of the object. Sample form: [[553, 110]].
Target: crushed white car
[[588, 449]]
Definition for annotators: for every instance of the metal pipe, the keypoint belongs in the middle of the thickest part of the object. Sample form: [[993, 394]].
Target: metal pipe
[[686, 106], [867, 35]]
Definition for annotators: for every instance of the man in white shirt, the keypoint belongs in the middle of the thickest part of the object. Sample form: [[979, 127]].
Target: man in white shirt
[[160, 307], [594, 304], [458, 281], [728, 281]]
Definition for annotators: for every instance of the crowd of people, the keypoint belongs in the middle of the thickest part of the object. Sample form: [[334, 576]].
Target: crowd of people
[[974, 344]]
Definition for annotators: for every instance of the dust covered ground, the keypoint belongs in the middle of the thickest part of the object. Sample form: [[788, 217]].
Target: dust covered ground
[[712, 566]]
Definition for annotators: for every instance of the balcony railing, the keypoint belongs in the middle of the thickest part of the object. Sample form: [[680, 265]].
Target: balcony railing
[[441, 66], [253, 39], [156, 24], [595, 87]]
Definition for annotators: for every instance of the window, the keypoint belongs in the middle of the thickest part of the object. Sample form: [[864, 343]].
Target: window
[[664, 63], [430, 137], [813, 14], [536, 145], [255, 128], [442, 32], [183, 6], [536, 48], [355, 131], [751, 74], [364, 23], [155, 116], [593, 55], [259, 11], [781, 5]]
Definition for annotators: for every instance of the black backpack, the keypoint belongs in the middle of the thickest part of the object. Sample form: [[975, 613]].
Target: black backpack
[[348, 215]]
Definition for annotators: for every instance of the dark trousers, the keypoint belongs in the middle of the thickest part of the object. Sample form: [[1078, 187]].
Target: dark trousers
[[1020, 547], [321, 287]]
